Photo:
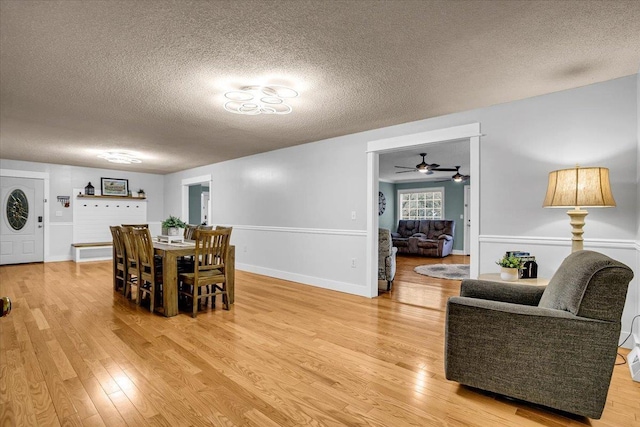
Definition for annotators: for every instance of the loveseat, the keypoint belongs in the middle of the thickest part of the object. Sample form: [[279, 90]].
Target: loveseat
[[428, 237]]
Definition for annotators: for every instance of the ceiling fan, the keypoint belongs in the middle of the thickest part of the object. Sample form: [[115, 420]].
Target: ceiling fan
[[458, 177], [426, 168]]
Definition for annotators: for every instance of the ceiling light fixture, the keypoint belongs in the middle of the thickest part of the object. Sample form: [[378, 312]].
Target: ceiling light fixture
[[254, 100], [118, 157]]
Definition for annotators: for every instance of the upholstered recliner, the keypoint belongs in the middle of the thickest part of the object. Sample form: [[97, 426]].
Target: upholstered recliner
[[428, 237], [553, 346], [386, 257]]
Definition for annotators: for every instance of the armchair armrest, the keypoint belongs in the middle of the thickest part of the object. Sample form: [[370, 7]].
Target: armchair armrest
[[505, 292], [419, 235], [396, 235], [445, 237]]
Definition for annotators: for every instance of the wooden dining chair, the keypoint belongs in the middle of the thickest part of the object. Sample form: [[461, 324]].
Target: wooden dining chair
[[136, 225], [119, 262], [131, 260], [209, 278], [149, 269], [189, 230]]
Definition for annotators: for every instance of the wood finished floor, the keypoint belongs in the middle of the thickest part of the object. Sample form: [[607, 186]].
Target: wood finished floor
[[74, 353]]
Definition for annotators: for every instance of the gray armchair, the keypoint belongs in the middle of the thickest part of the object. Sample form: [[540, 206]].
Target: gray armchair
[[553, 346], [386, 257]]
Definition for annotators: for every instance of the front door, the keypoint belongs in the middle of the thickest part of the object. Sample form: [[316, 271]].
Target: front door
[[22, 223]]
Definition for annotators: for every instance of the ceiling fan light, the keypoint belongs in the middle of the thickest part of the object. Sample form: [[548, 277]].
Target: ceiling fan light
[[423, 170]]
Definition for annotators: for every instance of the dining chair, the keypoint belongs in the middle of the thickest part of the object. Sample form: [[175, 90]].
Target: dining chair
[[189, 230], [119, 262], [209, 278], [149, 269], [131, 261], [136, 225]]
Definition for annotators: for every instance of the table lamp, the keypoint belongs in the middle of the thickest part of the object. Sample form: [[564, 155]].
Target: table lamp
[[578, 188]]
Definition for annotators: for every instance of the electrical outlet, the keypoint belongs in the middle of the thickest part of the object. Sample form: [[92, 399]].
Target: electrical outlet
[[58, 213], [353, 215], [353, 263]]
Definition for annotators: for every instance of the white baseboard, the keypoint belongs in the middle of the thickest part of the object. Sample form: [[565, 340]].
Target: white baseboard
[[457, 252], [319, 282], [59, 258], [631, 342]]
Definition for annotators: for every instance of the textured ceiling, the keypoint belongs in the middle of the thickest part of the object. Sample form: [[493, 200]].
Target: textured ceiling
[[79, 77]]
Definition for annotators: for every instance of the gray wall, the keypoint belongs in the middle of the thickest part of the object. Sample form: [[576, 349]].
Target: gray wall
[[294, 221], [388, 218]]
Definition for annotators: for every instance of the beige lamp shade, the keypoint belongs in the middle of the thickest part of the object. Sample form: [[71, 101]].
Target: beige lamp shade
[[579, 187]]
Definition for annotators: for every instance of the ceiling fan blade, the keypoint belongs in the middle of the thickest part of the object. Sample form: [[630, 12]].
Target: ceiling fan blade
[[406, 171], [433, 166], [403, 167], [444, 169]]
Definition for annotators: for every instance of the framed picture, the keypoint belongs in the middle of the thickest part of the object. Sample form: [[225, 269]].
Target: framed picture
[[114, 186]]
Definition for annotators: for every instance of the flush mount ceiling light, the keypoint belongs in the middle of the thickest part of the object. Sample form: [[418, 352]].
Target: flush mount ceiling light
[[118, 157], [254, 100]]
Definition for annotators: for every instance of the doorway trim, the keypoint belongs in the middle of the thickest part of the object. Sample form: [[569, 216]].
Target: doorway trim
[[45, 177], [186, 182], [467, 219], [375, 148]]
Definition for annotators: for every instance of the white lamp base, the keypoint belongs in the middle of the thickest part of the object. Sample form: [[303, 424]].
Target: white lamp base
[[577, 222]]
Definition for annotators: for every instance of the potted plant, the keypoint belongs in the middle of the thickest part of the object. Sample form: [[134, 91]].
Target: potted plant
[[171, 226], [511, 266], [141, 193]]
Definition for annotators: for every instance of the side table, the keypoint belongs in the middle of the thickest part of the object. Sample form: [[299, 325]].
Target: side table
[[495, 277]]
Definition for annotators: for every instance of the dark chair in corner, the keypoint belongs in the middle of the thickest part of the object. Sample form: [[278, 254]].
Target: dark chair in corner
[[553, 346], [386, 257]]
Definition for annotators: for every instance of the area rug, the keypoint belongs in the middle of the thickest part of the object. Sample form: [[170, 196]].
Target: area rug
[[444, 271]]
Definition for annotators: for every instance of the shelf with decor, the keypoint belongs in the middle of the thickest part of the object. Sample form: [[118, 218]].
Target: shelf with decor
[[84, 196]]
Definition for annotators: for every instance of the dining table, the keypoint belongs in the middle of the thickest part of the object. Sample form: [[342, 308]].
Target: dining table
[[170, 252]]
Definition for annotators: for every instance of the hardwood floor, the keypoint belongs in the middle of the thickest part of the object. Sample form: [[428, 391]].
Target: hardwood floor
[[74, 353]]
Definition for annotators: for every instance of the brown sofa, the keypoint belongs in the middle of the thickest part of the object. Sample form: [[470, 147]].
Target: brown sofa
[[428, 237]]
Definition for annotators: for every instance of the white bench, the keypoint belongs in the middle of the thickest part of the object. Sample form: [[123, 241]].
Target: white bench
[[97, 251]]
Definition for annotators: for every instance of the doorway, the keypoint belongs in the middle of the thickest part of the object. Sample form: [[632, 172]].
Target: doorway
[[198, 204], [196, 200], [22, 227], [375, 148]]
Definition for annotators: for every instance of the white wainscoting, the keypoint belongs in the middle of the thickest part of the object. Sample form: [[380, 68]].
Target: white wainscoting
[[92, 217], [313, 256], [551, 251]]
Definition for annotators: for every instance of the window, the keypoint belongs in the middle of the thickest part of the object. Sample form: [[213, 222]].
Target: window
[[421, 203]]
